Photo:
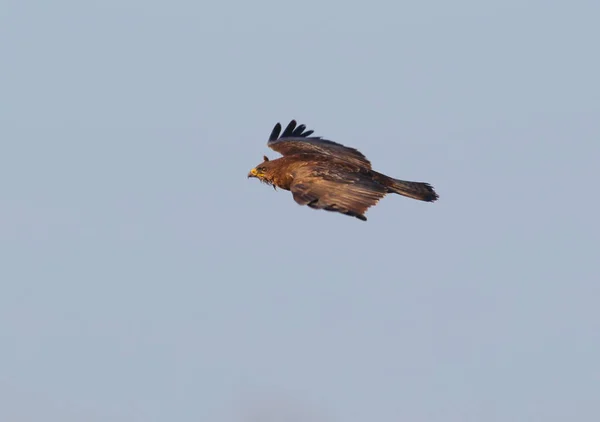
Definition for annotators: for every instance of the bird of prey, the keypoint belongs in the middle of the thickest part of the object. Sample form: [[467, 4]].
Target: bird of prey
[[330, 176]]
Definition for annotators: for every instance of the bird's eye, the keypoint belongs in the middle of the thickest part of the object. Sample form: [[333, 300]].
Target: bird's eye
[[261, 169]]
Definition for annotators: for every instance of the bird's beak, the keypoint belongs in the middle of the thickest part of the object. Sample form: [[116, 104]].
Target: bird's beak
[[253, 173]]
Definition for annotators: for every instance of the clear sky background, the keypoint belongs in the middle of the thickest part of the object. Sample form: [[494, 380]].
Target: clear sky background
[[144, 278]]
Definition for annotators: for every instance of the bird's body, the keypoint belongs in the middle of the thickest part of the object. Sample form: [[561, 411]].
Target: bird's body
[[326, 175]]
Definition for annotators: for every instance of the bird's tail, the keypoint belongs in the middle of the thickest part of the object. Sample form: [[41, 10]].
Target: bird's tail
[[416, 190]]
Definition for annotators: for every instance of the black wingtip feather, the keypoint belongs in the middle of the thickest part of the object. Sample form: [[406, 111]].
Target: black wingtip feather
[[289, 130], [275, 133], [298, 131]]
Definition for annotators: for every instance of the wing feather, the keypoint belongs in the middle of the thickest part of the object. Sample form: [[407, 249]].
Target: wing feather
[[296, 140], [350, 193]]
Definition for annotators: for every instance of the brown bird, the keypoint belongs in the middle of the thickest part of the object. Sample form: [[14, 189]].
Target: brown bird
[[327, 175]]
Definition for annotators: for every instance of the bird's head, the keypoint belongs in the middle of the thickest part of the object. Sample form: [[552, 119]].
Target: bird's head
[[263, 171]]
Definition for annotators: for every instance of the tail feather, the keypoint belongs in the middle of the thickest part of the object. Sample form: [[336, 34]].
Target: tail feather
[[416, 190]]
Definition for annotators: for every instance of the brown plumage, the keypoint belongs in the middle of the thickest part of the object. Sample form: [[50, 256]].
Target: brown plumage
[[327, 175]]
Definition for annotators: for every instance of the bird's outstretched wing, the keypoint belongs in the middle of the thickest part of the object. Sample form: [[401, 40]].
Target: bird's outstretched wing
[[350, 193], [296, 140]]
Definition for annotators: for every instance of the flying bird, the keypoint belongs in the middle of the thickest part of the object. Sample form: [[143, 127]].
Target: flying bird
[[330, 176]]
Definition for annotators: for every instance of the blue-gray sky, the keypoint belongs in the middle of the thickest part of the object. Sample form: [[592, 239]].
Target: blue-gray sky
[[144, 278]]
